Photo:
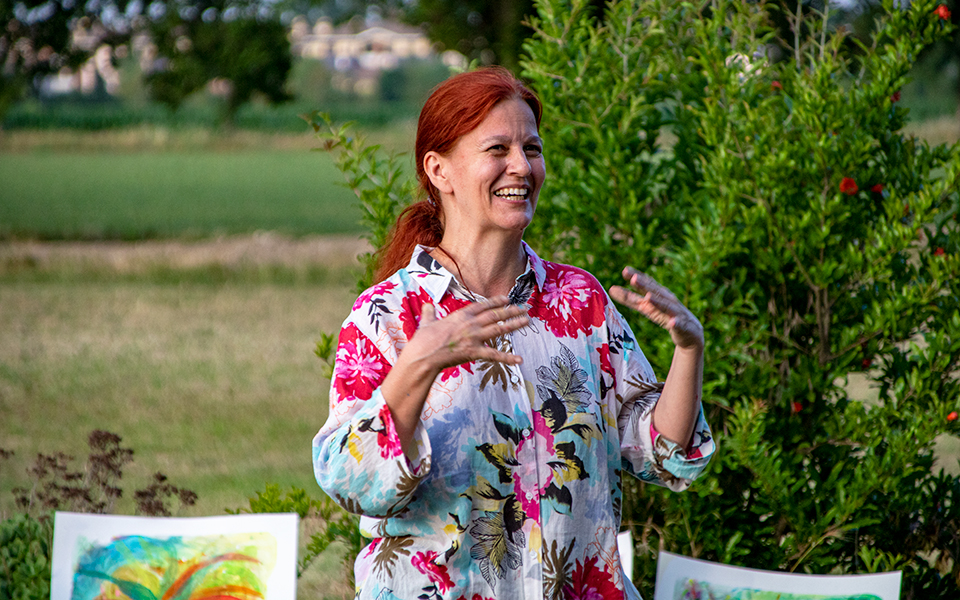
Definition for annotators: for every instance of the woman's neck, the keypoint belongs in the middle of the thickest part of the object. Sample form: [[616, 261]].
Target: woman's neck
[[486, 267]]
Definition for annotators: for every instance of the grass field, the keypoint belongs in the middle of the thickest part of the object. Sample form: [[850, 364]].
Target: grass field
[[70, 195], [151, 183], [199, 354], [213, 384]]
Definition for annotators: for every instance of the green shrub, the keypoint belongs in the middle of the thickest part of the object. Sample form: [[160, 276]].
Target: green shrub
[[771, 187], [26, 544], [326, 522], [26, 539], [817, 244]]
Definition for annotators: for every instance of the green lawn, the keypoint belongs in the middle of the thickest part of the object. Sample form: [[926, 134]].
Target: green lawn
[[195, 193]]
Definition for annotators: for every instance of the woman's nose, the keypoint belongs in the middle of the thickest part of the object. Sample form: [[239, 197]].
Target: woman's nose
[[518, 163]]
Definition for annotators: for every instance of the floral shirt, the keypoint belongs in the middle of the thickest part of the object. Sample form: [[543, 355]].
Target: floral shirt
[[514, 491]]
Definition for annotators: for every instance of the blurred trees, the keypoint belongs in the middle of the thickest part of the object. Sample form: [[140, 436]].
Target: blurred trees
[[239, 48], [36, 38], [488, 31]]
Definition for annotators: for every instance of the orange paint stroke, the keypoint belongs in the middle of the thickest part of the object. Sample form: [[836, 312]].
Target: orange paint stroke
[[177, 585], [236, 592]]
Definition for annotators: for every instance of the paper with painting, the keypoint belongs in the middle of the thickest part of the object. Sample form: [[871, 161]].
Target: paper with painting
[[240, 557], [682, 578]]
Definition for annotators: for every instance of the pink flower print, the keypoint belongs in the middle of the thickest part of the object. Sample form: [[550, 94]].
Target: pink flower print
[[424, 562], [588, 582], [412, 307], [380, 289], [360, 367], [572, 301], [387, 438]]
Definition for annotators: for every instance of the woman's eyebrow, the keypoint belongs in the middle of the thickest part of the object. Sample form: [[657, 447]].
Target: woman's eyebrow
[[506, 138]]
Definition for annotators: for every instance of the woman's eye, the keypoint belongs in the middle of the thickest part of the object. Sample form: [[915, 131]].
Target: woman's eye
[[533, 150], [498, 148]]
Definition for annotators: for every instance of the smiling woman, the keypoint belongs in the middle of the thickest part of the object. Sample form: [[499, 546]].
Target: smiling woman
[[484, 401]]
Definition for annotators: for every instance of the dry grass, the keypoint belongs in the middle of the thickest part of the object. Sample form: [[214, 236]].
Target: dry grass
[[214, 384], [398, 136], [943, 130], [261, 250]]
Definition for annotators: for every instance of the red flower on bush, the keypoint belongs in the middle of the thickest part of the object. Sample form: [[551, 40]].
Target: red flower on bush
[[877, 188], [866, 363], [797, 407], [943, 12], [848, 186], [895, 97], [776, 85], [952, 416], [939, 252]]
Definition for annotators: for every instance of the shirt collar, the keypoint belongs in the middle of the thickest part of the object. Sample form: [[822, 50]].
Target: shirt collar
[[436, 280]]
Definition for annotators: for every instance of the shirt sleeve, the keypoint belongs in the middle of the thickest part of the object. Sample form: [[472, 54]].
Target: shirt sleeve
[[357, 456], [645, 453]]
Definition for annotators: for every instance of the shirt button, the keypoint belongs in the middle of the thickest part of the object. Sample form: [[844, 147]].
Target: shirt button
[[526, 432]]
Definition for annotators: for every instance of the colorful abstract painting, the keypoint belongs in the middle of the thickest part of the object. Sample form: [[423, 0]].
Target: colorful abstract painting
[[682, 578], [703, 590], [243, 557]]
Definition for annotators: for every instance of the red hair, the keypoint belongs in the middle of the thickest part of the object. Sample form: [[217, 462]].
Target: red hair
[[455, 108]]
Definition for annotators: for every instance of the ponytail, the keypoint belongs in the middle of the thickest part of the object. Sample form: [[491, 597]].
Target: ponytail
[[419, 223]]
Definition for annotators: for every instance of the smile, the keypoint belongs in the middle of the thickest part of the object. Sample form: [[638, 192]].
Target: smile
[[512, 193]]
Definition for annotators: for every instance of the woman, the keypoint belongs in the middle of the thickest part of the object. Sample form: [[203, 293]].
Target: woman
[[484, 401]]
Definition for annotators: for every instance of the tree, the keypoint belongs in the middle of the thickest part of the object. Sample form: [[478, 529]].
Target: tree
[[818, 244], [37, 37], [201, 41], [486, 31]]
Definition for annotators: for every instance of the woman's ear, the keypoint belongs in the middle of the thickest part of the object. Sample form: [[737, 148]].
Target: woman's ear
[[435, 166]]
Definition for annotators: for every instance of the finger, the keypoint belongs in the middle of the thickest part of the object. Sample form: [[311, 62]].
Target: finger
[[500, 315], [657, 316], [626, 297], [644, 283], [487, 353], [428, 314], [477, 308], [493, 330]]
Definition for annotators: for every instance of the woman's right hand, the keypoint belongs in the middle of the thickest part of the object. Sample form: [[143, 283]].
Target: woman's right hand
[[461, 336], [465, 334]]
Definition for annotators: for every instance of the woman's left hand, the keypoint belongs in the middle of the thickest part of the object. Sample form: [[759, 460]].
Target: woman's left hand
[[661, 306]]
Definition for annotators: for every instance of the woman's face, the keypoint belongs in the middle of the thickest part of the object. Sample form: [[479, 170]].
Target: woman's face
[[491, 178]]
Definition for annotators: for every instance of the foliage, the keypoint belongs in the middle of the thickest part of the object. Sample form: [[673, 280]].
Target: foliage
[[57, 485], [26, 544], [381, 183], [814, 240], [326, 522], [226, 42], [26, 539], [818, 244], [36, 39]]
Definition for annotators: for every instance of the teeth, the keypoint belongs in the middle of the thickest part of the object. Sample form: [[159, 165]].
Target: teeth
[[511, 192]]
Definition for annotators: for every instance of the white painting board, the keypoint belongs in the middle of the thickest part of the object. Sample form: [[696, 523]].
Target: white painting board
[[675, 574], [249, 554]]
